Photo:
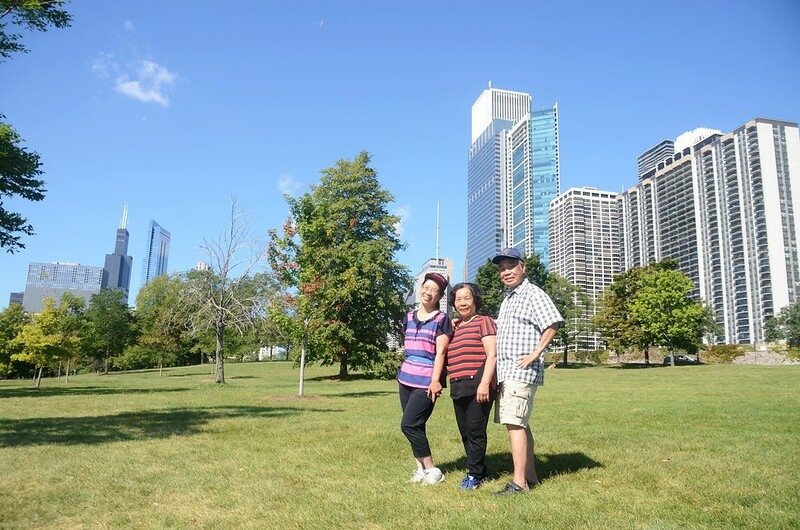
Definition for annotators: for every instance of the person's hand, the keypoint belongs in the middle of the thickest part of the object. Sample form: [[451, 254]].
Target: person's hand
[[483, 393], [527, 360], [434, 390]]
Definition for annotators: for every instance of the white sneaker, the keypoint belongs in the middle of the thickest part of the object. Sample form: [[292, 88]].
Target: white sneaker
[[418, 476], [433, 475]]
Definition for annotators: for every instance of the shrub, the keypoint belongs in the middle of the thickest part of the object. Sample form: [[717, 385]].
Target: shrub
[[387, 365], [721, 353], [591, 356], [136, 358]]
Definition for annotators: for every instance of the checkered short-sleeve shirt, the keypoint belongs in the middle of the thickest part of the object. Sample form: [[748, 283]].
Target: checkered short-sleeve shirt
[[525, 313]]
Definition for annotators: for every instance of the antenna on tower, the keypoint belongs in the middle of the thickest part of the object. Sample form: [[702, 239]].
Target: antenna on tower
[[123, 224], [437, 232]]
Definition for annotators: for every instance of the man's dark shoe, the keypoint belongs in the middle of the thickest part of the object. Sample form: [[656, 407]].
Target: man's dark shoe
[[511, 489]]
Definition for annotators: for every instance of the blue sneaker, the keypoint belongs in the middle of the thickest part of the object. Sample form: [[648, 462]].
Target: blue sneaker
[[471, 482]]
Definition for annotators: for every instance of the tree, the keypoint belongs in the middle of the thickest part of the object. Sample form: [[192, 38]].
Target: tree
[[161, 331], [231, 294], [20, 168], [12, 320], [338, 250], [574, 305], [663, 308], [785, 326], [52, 336], [614, 320], [33, 15], [488, 279], [110, 325]]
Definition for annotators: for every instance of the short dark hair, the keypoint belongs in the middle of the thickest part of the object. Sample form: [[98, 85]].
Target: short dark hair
[[474, 289]]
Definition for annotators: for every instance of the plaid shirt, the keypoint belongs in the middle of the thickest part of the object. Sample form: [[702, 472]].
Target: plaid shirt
[[524, 314]]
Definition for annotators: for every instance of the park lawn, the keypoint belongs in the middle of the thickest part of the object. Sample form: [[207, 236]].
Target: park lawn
[[684, 447]]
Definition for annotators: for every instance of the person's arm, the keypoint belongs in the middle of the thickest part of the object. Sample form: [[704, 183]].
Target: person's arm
[[544, 341], [435, 388], [490, 347]]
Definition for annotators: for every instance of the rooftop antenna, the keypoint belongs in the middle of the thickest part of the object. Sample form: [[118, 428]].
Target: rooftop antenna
[[123, 224], [437, 232]]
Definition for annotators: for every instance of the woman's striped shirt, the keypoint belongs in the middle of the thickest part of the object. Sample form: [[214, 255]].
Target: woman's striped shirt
[[465, 355], [420, 347]]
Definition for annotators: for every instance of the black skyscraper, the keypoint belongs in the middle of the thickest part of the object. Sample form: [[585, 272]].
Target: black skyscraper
[[117, 270]]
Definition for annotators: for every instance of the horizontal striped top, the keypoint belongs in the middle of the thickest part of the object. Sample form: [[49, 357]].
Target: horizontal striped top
[[420, 347], [465, 355]]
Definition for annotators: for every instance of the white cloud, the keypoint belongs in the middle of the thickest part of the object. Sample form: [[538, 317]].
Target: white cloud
[[149, 84], [288, 185], [128, 26], [403, 212], [104, 65]]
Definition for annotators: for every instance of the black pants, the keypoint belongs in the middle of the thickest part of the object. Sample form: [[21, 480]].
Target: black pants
[[417, 408], [472, 418]]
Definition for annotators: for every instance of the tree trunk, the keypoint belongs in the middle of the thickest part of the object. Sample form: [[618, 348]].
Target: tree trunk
[[343, 367], [38, 378], [647, 356], [566, 354], [219, 372], [105, 369], [301, 390], [161, 369], [58, 374], [66, 374]]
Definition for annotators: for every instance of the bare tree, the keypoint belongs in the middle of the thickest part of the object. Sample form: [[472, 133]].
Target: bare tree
[[233, 294]]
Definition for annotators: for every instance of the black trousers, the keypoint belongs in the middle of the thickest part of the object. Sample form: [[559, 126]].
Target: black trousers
[[417, 408], [472, 418]]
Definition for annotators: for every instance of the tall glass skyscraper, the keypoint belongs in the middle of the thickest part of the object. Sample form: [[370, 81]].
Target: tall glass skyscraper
[[155, 262], [512, 175]]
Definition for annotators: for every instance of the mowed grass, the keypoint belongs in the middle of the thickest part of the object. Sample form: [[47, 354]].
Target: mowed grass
[[684, 447]]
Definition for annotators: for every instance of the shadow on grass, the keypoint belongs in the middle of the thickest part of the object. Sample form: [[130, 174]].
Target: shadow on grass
[[633, 366], [547, 465], [65, 390], [366, 393], [127, 426], [570, 366], [350, 377]]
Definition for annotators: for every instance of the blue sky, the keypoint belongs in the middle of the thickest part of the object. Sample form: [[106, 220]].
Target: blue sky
[[173, 107]]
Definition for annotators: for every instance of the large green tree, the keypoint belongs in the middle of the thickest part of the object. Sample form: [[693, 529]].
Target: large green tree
[[488, 279], [338, 250], [662, 306], [785, 326], [12, 320], [20, 168], [110, 325]]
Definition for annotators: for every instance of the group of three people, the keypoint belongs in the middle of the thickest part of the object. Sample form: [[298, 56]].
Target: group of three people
[[486, 361]]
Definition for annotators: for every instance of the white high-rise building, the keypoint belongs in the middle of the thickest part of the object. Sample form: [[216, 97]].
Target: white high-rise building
[[513, 173], [586, 246], [727, 208]]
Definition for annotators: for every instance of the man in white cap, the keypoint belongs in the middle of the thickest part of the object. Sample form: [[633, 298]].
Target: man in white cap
[[527, 322]]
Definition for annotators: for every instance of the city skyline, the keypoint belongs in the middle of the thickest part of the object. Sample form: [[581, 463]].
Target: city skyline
[[179, 125]]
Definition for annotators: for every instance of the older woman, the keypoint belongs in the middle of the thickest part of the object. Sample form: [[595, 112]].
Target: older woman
[[427, 334], [471, 366]]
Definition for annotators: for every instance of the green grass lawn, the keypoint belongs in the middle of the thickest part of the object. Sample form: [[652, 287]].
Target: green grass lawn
[[684, 447]]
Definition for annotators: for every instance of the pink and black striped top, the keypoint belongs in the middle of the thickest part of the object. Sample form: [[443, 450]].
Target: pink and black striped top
[[420, 348]]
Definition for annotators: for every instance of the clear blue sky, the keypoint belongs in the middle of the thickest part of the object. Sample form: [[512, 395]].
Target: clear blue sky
[[175, 106]]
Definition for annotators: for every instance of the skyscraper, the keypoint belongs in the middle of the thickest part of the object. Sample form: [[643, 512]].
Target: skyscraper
[[117, 270], [51, 280], [586, 246], [727, 208], [512, 175], [155, 262]]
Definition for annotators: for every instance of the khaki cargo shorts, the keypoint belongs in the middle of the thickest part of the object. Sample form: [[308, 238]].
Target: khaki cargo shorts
[[514, 403]]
